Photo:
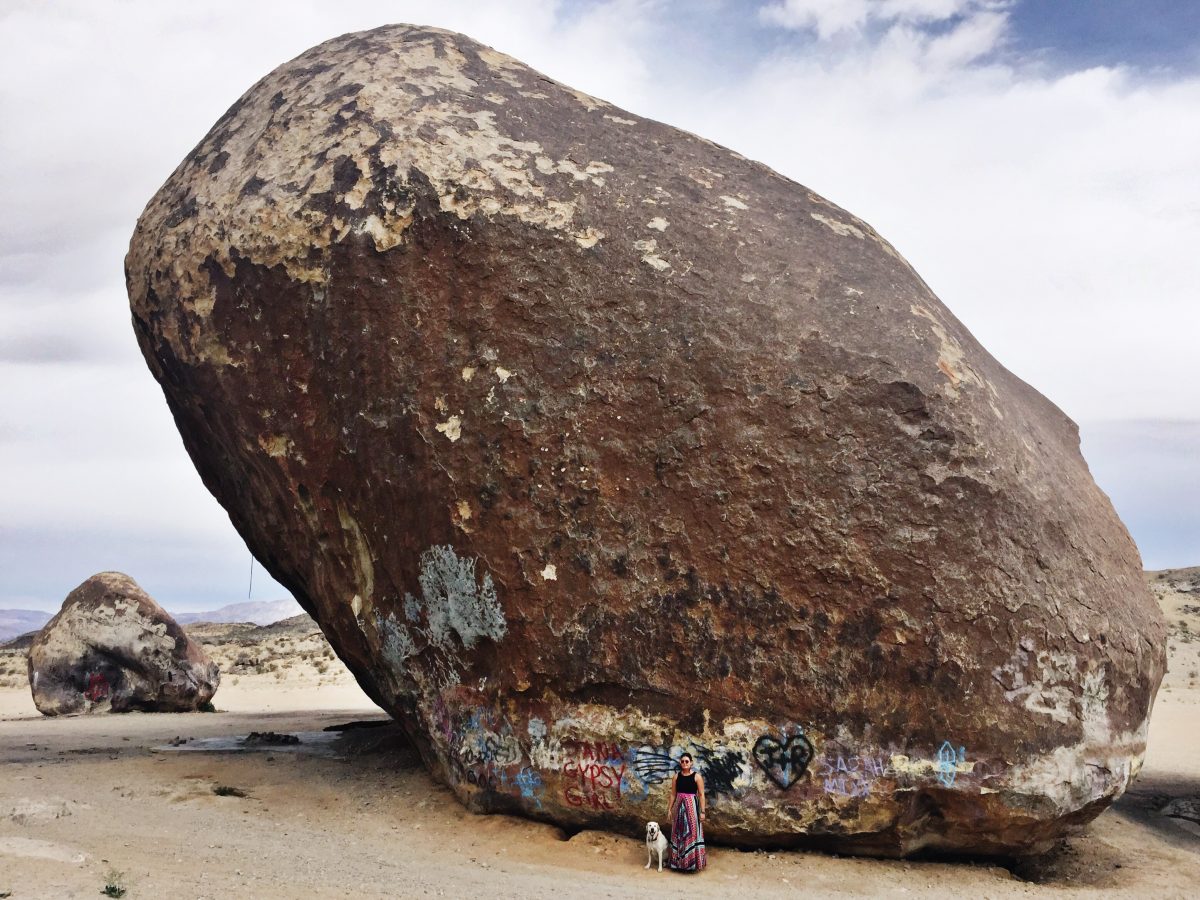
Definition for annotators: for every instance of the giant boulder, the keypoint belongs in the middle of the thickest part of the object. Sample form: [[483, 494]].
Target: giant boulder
[[111, 648], [587, 441]]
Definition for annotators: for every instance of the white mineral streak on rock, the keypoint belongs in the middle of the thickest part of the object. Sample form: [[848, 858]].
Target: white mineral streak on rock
[[658, 223], [468, 373], [503, 374], [650, 255], [733, 202], [505, 67], [591, 103], [362, 560], [1076, 775], [592, 171], [952, 360], [619, 120], [845, 229], [550, 573], [705, 177], [595, 721], [451, 428], [588, 237]]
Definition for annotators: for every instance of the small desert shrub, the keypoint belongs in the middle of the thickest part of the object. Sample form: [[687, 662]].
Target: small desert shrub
[[114, 885], [225, 790]]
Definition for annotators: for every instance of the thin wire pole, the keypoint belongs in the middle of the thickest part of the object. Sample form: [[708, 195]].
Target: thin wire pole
[[250, 590]]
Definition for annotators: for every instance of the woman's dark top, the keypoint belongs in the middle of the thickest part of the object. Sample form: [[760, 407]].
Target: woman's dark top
[[685, 784]]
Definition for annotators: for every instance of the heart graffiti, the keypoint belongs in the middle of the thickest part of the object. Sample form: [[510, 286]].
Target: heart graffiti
[[786, 761]]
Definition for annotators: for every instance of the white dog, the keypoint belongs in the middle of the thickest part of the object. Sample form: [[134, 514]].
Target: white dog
[[655, 841]]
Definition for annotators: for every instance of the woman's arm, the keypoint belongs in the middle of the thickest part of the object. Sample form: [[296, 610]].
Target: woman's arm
[[700, 791], [674, 798]]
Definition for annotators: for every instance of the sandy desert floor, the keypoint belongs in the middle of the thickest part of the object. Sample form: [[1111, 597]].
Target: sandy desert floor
[[85, 798]]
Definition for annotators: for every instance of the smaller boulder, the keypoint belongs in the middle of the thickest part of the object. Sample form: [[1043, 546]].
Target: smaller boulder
[[111, 648]]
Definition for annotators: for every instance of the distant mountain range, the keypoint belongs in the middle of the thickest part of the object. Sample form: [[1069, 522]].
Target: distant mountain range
[[15, 622], [18, 621], [260, 612]]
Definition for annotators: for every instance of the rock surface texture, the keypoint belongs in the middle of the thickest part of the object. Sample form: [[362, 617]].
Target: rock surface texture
[[113, 649], [588, 441]]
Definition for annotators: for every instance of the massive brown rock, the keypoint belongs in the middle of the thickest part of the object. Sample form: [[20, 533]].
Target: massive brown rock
[[111, 648], [587, 440]]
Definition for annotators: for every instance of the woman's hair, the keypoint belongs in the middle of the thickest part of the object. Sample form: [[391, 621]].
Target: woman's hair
[[688, 755]]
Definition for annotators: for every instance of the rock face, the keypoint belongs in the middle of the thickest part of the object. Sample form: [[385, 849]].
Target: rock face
[[113, 649], [588, 441]]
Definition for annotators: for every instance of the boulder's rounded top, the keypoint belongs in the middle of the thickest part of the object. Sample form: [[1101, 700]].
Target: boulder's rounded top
[[299, 156], [112, 589], [112, 581]]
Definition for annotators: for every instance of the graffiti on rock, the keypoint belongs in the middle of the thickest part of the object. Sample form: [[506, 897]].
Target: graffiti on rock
[[548, 754], [852, 776], [97, 688], [719, 768], [784, 761], [593, 784], [529, 783], [536, 729], [654, 765], [601, 751], [486, 747], [948, 761], [1041, 679], [593, 774]]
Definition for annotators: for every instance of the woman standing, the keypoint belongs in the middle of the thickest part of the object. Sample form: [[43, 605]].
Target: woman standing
[[687, 818]]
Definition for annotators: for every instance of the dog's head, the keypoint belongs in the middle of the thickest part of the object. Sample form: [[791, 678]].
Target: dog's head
[[652, 831]]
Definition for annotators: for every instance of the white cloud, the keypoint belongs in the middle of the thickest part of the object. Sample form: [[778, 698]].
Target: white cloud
[[829, 18], [1056, 214]]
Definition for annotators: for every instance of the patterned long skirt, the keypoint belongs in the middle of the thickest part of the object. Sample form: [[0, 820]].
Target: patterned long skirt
[[687, 837]]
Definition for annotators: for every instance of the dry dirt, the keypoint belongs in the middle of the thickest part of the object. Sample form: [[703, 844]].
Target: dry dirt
[[90, 801]]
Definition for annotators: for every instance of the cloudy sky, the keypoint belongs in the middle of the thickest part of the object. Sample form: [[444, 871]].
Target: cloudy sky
[[1035, 160]]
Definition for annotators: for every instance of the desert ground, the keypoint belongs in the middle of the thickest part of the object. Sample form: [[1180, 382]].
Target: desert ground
[[147, 804]]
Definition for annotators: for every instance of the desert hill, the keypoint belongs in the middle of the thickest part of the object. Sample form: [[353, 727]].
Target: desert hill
[[259, 612], [1178, 595], [14, 622]]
